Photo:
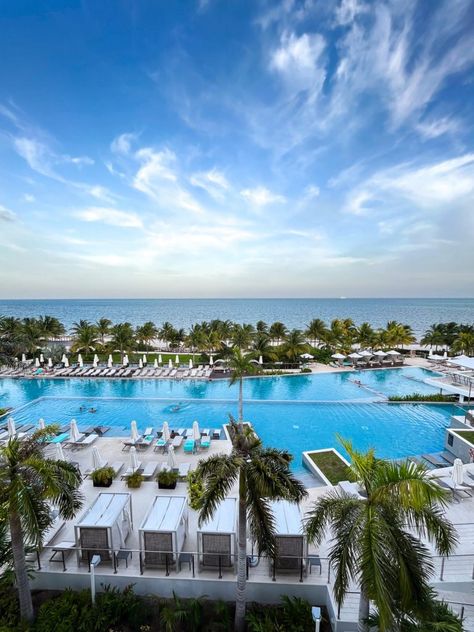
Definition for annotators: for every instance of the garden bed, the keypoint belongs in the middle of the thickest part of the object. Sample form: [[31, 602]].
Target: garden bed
[[467, 435], [328, 465]]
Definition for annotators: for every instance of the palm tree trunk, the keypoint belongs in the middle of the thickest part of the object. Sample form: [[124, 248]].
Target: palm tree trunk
[[240, 603], [21, 573], [362, 626], [241, 399]]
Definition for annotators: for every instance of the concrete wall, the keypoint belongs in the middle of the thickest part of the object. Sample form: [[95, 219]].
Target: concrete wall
[[460, 447]]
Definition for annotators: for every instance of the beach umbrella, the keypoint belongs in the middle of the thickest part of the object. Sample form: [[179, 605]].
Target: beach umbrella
[[160, 361], [170, 363], [392, 352], [165, 431], [457, 473], [59, 453], [380, 354], [133, 459], [50, 363], [176, 359], [260, 360], [11, 427], [110, 362], [196, 431], [94, 363], [41, 424], [134, 435], [37, 363], [155, 364], [97, 460], [140, 363], [144, 360], [211, 360], [74, 431], [66, 363], [307, 356], [23, 358], [171, 459], [41, 358], [125, 360], [445, 354], [366, 354], [64, 359], [338, 356], [80, 361], [190, 363]]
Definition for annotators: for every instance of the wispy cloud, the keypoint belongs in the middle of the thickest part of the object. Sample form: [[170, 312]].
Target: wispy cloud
[[110, 216], [6, 215], [261, 196], [122, 144], [213, 182]]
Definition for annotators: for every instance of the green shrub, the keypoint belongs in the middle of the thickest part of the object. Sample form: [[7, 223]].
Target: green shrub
[[103, 475], [195, 490], [167, 477], [421, 397], [306, 369], [293, 615], [135, 480]]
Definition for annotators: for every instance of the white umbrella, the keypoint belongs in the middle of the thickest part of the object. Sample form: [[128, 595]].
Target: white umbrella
[[366, 354], [211, 360], [11, 427], [41, 424], [110, 362], [80, 361], [125, 360], [74, 431], [392, 352], [41, 358], [380, 354], [23, 357], [66, 363], [196, 432], [160, 361], [134, 435], [140, 363], [177, 359], [97, 460], [155, 364], [64, 359], [190, 363], [59, 453], [144, 360], [165, 431], [171, 458], [133, 459], [338, 356], [50, 363], [94, 363], [260, 360], [170, 363], [354, 356], [457, 473], [96, 358], [307, 356], [37, 363]]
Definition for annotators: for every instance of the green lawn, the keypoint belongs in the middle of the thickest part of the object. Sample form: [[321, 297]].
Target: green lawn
[[134, 357], [468, 435], [331, 465]]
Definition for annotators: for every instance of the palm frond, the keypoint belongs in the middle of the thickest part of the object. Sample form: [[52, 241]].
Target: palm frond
[[261, 521], [219, 474]]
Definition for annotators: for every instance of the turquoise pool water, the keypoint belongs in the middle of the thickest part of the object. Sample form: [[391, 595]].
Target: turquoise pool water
[[296, 413]]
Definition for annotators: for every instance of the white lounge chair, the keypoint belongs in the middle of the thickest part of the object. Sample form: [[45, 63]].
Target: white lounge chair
[[150, 469]]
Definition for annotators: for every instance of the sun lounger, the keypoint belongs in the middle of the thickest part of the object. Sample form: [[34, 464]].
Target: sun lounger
[[456, 489], [117, 467], [160, 444], [131, 470], [189, 446], [150, 469], [85, 440], [435, 460], [350, 488], [181, 431], [145, 441], [183, 469], [205, 443], [189, 433], [177, 441], [447, 456]]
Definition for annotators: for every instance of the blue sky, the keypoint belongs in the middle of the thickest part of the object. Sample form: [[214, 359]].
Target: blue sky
[[236, 148]]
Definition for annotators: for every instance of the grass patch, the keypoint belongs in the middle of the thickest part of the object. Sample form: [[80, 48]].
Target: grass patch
[[330, 465], [422, 397], [468, 435], [4, 411]]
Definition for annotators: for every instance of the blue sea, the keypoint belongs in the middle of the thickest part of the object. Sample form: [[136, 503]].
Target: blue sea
[[420, 313]]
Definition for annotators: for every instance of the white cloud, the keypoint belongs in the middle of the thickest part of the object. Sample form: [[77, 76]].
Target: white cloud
[[80, 161], [299, 60], [348, 10], [101, 193], [6, 215], [213, 182], [110, 216], [123, 143], [28, 197], [437, 127], [36, 154], [261, 196], [311, 192]]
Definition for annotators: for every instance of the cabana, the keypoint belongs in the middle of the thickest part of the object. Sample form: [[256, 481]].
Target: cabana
[[164, 529], [291, 543], [104, 527], [217, 537]]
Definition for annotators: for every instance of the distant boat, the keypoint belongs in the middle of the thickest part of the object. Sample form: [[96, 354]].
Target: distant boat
[[342, 298]]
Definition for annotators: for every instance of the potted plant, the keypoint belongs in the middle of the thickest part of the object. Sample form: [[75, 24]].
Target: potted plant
[[135, 480], [167, 479], [103, 477], [195, 490]]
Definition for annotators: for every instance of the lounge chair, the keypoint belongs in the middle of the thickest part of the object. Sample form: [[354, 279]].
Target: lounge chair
[[183, 469], [117, 467], [189, 446], [177, 441], [447, 456], [144, 441], [149, 470], [85, 440], [456, 489], [161, 444], [205, 443], [435, 460], [131, 470]]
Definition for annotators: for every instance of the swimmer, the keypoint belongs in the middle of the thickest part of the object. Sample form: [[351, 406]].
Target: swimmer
[[92, 410], [82, 409]]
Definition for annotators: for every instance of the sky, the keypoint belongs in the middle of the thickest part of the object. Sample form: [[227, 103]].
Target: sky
[[236, 148]]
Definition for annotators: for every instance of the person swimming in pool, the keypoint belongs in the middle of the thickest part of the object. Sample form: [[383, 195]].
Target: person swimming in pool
[[82, 409], [92, 410]]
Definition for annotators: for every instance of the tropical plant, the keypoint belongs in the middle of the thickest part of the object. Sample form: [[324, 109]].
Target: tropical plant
[[262, 347], [146, 333], [85, 337], [103, 475], [241, 364], [135, 480], [242, 336], [294, 345], [50, 327], [316, 331], [123, 338], [28, 483], [464, 343], [262, 475], [167, 479], [376, 538], [195, 490], [103, 326], [365, 335], [277, 332], [173, 613]]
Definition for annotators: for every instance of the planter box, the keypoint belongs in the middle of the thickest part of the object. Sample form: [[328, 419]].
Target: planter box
[[163, 486], [316, 470], [106, 484]]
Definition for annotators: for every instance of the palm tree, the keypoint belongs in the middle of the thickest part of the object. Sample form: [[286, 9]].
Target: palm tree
[[28, 483], [242, 336], [464, 343], [103, 326], [167, 332], [146, 333], [241, 365], [31, 336], [365, 335], [294, 345], [51, 327], [123, 338], [316, 331], [376, 538], [85, 337], [262, 474], [277, 332], [434, 336], [261, 327], [261, 346]]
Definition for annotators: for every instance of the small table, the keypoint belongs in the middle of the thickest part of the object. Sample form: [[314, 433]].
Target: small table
[[123, 554], [186, 558], [64, 547], [314, 560]]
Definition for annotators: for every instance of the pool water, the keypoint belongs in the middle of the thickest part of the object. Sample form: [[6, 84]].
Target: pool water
[[297, 413]]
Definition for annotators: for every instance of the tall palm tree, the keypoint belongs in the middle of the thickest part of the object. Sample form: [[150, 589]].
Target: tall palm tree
[[262, 474], [365, 335], [262, 347], [376, 539], [294, 345], [434, 336], [31, 335], [29, 482], [464, 343], [123, 338], [242, 336], [51, 327], [316, 331], [277, 331], [167, 332], [146, 333], [103, 326], [261, 327], [241, 365], [85, 337]]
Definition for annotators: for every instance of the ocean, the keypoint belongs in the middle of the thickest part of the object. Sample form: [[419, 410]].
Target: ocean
[[420, 313]]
